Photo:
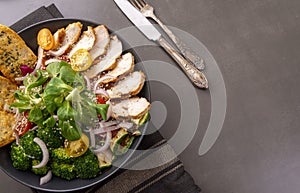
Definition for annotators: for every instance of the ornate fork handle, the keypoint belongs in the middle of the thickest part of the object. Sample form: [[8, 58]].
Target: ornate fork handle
[[194, 74], [186, 52]]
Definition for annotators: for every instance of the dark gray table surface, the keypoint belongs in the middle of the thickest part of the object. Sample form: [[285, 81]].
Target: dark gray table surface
[[256, 45]]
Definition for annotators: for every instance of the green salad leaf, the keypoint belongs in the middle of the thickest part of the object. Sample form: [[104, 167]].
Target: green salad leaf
[[61, 91]]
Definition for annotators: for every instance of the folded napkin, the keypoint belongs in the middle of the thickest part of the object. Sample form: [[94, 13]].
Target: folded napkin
[[169, 177]]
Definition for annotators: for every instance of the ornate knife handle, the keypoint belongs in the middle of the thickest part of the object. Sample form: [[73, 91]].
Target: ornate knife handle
[[189, 54], [194, 74]]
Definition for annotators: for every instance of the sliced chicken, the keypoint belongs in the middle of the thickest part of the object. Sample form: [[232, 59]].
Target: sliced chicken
[[86, 41], [131, 85], [108, 62], [58, 37], [130, 108], [125, 65], [73, 32], [101, 43]]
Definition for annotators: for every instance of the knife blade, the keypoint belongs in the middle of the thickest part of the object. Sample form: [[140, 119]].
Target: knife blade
[[144, 25]]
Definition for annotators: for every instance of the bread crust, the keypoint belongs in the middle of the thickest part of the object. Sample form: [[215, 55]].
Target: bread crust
[[13, 53], [7, 122], [7, 89]]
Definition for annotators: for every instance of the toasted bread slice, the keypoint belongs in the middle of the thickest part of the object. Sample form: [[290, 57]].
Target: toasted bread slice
[[7, 89], [130, 85], [13, 53], [7, 122], [130, 108]]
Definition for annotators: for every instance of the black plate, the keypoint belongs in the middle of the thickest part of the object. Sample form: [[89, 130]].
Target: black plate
[[57, 184]]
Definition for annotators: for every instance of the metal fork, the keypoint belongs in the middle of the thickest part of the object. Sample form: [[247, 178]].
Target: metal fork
[[148, 11]]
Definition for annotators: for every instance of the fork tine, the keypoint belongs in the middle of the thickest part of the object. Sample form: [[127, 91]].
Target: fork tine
[[134, 3], [142, 2], [139, 3]]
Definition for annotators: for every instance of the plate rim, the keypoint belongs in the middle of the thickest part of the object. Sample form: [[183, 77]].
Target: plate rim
[[127, 157]]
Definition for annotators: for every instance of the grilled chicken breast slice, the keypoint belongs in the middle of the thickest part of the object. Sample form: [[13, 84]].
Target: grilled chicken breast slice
[[101, 43], [58, 37], [86, 41], [125, 65], [130, 85], [108, 62], [72, 35], [130, 108]]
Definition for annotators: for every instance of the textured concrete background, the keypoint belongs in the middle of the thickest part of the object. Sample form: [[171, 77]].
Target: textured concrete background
[[256, 44]]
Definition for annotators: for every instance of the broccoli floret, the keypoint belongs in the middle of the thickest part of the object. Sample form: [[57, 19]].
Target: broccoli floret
[[39, 171], [51, 136], [86, 166], [19, 158], [29, 146], [59, 155], [63, 170]]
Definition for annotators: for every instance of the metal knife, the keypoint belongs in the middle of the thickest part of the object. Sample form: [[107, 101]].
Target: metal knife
[[141, 22]]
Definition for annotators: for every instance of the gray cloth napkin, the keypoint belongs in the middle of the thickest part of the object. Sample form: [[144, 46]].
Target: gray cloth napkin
[[167, 178]]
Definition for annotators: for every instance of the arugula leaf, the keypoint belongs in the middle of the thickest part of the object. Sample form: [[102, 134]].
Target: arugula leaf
[[50, 122], [64, 95], [19, 95], [67, 74], [54, 68], [74, 96], [66, 112], [49, 101], [87, 114], [29, 79], [36, 116], [22, 106], [70, 130], [42, 77], [57, 87], [59, 100], [102, 110]]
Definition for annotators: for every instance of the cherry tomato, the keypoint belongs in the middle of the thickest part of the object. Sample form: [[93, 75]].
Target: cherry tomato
[[78, 147], [100, 100], [45, 39], [81, 60], [23, 125]]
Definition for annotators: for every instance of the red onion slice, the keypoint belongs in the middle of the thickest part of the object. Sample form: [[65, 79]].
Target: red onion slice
[[45, 153], [17, 137], [21, 78], [106, 144], [92, 139], [88, 83], [9, 109], [47, 62], [45, 179], [109, 123], [34, 128], [106, 129], [55, 117], [102, 92], [109, 110], [26, 70], [40, 60]]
